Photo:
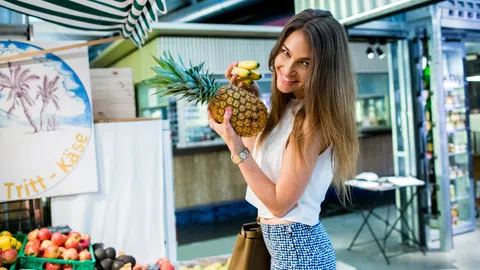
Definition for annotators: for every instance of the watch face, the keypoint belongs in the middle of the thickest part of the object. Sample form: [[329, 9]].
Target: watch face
[[242, 155]]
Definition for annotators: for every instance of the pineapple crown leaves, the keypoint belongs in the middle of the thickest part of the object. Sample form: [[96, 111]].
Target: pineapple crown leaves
[[173, 78]]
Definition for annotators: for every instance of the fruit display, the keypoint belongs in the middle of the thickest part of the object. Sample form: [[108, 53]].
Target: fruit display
[[56, 251], [208, 264], [108, 259], [249, 113], [10, 246]]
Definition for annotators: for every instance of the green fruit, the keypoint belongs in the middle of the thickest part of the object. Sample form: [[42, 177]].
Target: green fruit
[[127, 259], [110, 252], [106, 264], [97, 245], [116, 265], [100, 254]]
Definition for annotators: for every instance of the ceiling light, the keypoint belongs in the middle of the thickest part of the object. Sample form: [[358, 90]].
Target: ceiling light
[[381, 54], [473, 78], [370, 54]]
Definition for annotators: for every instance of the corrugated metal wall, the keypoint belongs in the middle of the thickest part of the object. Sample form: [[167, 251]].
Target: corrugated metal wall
[[341, 8], [218, 53], [361, 64]]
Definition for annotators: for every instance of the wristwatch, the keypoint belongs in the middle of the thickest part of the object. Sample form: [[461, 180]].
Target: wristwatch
[[241, 156]]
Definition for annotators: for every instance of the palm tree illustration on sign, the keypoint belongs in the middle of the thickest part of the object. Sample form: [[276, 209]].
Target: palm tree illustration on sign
[[46, 92], [18, 83]]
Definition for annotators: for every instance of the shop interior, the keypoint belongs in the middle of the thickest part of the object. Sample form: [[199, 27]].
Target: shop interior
[[417, 111]]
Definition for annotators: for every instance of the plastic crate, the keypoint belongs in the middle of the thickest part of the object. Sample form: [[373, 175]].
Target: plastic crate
[[29, 262], [22, 238]]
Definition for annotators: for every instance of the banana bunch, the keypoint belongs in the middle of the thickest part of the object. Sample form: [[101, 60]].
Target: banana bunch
[[247, 73], [7, 241]]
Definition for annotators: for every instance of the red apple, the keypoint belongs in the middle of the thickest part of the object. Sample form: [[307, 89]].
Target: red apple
[[162, 261], [46, 244], [138, 267], [62, 250], [70, 254], [8, 256], [32, 250], [71, 243], [53, 266], [34, 242], [58, 239], [75, 235], [51, 252], [32, 235], [84, 243], [86, 236], [44, 234], [67, 267], [167, 266], [85, 256]]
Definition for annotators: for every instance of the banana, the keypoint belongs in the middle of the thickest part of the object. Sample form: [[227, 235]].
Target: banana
[[6, 233], [255, 75], [18, 246], [246, 81], [7, 242], [242, 73], [248, 65]]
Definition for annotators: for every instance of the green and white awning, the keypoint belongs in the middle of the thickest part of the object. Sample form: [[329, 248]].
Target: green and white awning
[[131, 18]]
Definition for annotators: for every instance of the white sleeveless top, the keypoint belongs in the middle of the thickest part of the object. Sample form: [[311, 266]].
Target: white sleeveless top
[[269, 159]]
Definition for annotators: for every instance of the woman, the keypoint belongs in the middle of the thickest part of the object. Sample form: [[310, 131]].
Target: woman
[[311, 127]]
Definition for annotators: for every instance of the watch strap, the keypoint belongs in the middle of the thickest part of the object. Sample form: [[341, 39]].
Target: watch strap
[[241, 156]]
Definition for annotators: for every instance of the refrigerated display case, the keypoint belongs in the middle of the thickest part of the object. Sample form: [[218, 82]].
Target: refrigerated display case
[[189, 121], [456, 117], [442, 140], [372, 107], [150, 105]]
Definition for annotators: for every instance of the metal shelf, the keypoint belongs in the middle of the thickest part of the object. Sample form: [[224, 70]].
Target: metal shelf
[[461, 198], [458, 153], [451, 89], [457, 131], [200, 144], [459, 177], [455, 108]]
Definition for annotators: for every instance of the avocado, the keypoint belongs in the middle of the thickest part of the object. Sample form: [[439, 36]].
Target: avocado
[[110, 252], [127, 259], [100, 254], [116, 265], [97, 245], [106, 264]]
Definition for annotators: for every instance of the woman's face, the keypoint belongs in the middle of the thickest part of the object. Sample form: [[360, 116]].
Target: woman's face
[[291, 64]]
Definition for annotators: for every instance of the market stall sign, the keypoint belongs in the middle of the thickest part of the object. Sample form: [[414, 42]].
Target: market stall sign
[[46, 126]]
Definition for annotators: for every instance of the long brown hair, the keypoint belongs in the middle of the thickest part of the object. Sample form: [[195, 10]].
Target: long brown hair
[[327, 113]]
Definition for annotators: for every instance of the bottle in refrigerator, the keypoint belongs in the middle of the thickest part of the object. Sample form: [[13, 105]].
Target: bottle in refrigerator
[[429, 145]]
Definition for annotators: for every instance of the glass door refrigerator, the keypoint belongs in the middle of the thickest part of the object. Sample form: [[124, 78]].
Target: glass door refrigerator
[[442, 139]]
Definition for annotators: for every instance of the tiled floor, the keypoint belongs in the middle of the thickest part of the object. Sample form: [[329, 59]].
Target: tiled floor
[[342, 229]]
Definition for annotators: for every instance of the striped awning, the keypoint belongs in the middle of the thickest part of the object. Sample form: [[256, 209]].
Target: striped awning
[[131, 18]]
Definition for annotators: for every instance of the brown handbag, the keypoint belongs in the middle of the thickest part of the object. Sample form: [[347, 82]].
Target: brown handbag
[[250, 252]]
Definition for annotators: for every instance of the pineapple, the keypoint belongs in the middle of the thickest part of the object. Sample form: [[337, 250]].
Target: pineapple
[[249, 114]]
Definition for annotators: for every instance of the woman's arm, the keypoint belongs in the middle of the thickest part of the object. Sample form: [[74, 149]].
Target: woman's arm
[[281, 197], [249, 143]]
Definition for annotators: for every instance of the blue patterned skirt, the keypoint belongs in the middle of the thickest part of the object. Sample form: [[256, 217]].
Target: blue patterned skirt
[[298, 246]]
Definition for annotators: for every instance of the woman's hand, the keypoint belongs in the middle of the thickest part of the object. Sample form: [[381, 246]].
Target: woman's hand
[[254, 88], [228, 134]]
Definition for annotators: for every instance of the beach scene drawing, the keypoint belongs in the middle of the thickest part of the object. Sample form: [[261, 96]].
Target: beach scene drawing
[[45, 122]]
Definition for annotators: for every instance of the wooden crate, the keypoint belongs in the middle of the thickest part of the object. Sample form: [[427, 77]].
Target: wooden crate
[[113, 93], [21, 215]]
